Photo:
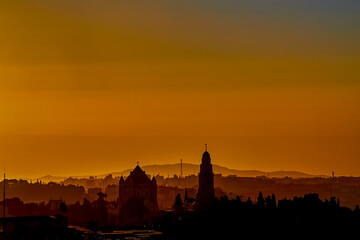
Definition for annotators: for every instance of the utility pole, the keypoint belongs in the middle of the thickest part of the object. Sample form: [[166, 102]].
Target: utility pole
[[3, 226], [181, 171], [4, 196]]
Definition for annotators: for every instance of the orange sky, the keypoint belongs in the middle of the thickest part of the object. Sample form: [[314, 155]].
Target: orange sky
[[88, 87]]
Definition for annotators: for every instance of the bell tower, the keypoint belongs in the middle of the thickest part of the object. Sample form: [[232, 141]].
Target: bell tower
[[206, 193]]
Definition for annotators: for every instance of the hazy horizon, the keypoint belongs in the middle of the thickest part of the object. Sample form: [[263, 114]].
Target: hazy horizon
[[91, 86], [93, 155]]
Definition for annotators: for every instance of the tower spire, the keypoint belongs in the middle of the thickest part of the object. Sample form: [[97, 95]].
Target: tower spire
[[206, 191]]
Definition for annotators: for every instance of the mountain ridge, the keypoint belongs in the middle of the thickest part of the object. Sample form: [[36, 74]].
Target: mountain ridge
[[191, 169]]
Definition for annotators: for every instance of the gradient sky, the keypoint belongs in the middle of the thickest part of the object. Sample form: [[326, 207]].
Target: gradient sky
[[89, 87]]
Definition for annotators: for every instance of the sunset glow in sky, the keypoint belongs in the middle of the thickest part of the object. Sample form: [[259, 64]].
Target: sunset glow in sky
[[90, 87]]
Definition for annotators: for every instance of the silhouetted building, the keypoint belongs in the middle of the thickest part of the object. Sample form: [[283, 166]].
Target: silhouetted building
[[93, 193], [112, 192], [138, 189], [206, 192]]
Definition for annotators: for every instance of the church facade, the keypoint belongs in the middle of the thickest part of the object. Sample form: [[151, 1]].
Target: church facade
[[206, 192], [137, 192]]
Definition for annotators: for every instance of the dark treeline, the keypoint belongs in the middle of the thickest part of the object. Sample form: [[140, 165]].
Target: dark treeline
[[345, 188], [302, 217]]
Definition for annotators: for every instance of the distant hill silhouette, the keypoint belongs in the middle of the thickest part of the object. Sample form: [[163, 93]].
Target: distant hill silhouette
[[189, 169], [50, 178]]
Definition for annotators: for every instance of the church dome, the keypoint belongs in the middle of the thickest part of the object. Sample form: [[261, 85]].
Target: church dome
[[206, 157], [206, 154]]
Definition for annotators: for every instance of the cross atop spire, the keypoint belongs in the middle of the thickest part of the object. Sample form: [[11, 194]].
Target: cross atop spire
[[137, 163], [205, 147]]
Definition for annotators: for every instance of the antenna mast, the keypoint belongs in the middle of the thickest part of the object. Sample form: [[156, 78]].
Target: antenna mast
[[4, 196], [181, 171]]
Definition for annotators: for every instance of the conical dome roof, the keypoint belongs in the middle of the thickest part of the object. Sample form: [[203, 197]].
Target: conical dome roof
[[206, 158], [138, 176]]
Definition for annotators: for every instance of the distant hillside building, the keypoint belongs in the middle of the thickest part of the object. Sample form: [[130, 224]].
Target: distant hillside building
[[112, 192], [206, 192], [137, 192], [93, 193]]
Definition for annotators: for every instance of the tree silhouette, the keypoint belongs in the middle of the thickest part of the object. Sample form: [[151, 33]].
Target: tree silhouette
[[249, 202], [260, 200], [178, 202], [273, 199], [63, 207]]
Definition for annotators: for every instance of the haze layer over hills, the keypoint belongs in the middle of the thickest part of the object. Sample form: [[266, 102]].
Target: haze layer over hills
[[192, 169]]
